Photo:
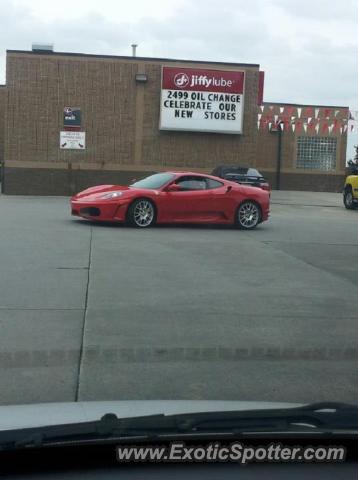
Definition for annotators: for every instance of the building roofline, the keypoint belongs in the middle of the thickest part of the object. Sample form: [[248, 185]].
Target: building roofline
[[303, 105], [130, 57]]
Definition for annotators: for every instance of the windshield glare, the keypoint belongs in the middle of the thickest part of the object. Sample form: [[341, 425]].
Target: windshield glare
[[153, 182]]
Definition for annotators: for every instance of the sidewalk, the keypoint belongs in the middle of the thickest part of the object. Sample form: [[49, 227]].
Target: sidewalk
[[319, 199]]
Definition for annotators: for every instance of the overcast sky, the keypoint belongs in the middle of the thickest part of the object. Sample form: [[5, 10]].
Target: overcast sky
[[308, 48]]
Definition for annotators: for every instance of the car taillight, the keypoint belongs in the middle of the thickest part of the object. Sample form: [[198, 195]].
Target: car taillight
[[266, 186]]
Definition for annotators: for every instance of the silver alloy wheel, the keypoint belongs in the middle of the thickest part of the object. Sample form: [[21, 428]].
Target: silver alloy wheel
[[349, 198], [248, 215], [143, 213]]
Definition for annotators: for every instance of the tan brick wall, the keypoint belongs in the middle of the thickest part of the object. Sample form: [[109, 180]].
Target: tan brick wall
[[267, 150], [40, 87], [3, 93], [120, 117], [121, 121]]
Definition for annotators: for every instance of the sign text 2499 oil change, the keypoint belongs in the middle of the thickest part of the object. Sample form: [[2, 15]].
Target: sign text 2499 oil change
[[202, 100]]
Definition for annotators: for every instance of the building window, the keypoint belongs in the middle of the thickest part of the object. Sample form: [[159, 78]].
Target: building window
[[316, 153]]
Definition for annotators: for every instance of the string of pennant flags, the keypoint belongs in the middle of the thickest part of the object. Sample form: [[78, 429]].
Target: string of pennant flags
[[353, 121], [310, 125], [307, 119]]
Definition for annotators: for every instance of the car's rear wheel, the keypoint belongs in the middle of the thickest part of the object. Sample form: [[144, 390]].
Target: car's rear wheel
[[248, 215], [348, 199], [141, 213]]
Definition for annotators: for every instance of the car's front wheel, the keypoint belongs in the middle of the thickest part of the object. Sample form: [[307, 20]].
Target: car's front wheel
[[141, 213], [248, 215], [348, 200]]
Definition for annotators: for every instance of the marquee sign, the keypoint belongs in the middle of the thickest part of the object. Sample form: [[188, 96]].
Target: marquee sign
[[202, 100]]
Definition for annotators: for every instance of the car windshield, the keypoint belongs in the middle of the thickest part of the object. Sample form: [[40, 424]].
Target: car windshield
[[153, 182], [229, 171]]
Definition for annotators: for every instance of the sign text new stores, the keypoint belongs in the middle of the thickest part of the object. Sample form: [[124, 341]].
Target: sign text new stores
[[202, 100]]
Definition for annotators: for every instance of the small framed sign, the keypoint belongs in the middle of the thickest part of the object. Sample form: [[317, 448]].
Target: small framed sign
[[72, 140], [71, 118]]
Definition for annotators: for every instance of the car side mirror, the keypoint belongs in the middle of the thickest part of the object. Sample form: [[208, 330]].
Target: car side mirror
[[174, 187]]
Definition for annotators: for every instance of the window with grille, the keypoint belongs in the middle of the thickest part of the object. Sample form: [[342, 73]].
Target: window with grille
[[316, 153]]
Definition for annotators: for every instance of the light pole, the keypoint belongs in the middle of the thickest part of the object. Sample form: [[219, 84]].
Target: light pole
[[277, 128]]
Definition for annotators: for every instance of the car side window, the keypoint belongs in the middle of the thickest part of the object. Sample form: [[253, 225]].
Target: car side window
[[191, 183], [213, 183]]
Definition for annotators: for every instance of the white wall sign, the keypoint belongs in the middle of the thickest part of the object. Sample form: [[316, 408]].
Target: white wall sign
[[72, 140], [202, 100]]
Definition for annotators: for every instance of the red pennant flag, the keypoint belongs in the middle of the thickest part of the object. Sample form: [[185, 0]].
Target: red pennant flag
[[289, 111], [335, 126], [309, 112], [327, 112]]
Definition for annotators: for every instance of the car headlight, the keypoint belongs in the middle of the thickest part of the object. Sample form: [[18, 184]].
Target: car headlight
[[112, 195]]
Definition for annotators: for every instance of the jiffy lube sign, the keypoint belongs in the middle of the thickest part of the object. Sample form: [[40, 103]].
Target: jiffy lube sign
[[202, 100]]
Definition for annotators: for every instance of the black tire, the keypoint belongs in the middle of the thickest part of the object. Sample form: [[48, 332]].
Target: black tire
[[348, 199], [141, 213], [248, 215]]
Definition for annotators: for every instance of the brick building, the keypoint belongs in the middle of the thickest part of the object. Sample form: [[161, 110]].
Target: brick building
[[313, 155], [120, 103], [2, 121]]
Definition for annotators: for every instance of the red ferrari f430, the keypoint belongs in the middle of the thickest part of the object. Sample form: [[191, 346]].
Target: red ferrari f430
[[175, 197]]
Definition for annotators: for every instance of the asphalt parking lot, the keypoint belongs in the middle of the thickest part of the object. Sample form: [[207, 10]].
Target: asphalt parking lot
[[103, 312]]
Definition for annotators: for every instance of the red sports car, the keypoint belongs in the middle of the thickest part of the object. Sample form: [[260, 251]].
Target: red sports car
[[175, 197]]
